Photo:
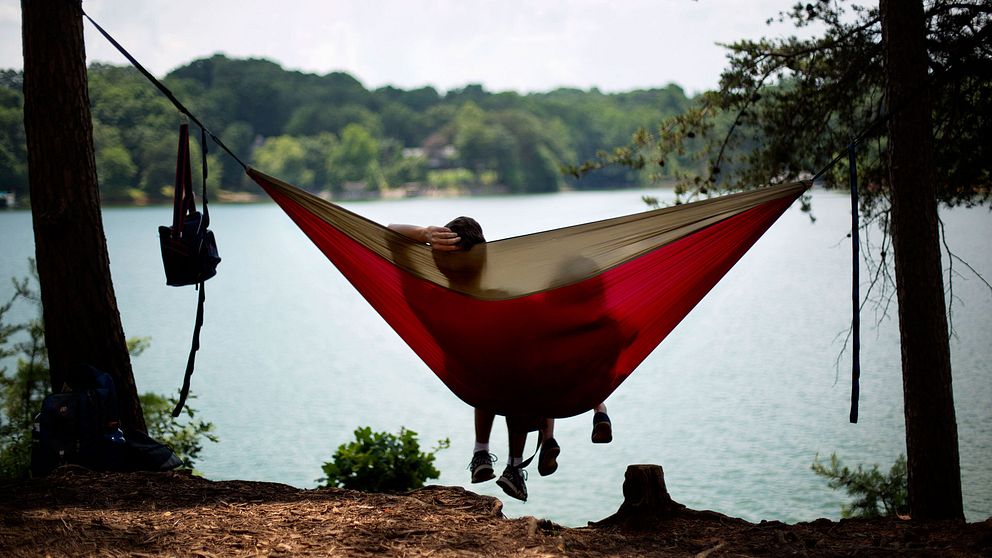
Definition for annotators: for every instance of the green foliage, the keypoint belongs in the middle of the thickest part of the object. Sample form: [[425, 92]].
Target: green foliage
[[355, 159], [13, 146], [875, 494], [15, 446], [238, 136], [318, 157], [285, 156], [313, 119], [382, 462], [523, 151], [401, 170], [450, 178], [157, 163], [22, 391], [117, 172], [786, 106], [255, 105], [184, 435]]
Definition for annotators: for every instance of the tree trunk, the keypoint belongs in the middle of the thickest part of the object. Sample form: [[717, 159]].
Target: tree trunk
[[931, 428], [82, 322], [645, 499]]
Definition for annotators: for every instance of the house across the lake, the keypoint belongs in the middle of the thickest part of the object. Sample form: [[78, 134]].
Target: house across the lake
[[7, 199]]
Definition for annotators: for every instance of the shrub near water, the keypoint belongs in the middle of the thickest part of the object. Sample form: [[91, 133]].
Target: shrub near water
[[382, 462], [184, 437], [875, 494]]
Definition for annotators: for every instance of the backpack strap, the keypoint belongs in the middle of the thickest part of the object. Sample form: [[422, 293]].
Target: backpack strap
[[183, 202], [537, 448], [188, 192], [191, 359], [205, 222]]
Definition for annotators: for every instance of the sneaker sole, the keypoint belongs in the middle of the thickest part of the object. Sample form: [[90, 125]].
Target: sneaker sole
[[548, 463], [510, 490], [602, 433], [483, 476]]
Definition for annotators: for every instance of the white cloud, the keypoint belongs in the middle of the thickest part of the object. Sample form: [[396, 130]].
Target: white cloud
[[523, 45]]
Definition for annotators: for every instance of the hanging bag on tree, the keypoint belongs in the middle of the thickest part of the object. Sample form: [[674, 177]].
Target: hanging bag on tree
[[189, 250]]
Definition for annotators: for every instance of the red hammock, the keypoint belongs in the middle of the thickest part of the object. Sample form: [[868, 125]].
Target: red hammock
[[547, 324]]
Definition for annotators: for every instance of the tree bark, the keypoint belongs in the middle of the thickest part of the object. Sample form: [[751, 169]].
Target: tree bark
[[82, 322], [931, 428]]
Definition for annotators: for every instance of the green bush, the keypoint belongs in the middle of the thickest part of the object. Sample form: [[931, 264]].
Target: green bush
[[382, 462], [875, 494], [184, 437], [23, 388]]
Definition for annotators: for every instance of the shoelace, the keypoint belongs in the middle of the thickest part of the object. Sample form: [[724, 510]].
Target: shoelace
[[519, 472], [480, 459]]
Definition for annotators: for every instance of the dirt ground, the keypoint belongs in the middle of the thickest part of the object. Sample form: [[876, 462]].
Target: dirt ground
[[80, 513]]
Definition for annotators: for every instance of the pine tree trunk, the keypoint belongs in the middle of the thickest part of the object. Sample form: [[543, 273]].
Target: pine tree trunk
[[931, 428], [82, 322]]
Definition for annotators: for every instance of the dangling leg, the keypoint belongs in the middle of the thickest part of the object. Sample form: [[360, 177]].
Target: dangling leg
[[602, 429], [547, 463], [482, 461], [512, 481]]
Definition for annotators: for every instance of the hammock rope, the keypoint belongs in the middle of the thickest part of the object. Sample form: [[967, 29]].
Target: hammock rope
[[163, 89], [852, 159]]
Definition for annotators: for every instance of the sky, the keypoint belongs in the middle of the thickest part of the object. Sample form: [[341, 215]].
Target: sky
[[518, 45]]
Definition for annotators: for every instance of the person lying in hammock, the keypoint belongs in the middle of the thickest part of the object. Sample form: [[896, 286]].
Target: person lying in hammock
[[461, 234]]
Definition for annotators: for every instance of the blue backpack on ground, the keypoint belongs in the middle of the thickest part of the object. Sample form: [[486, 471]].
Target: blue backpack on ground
[[82, 427]]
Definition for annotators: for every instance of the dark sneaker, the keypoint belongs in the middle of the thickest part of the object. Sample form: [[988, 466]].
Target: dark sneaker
[[512, 482], [547, 463], [482, 466], [602, 430]]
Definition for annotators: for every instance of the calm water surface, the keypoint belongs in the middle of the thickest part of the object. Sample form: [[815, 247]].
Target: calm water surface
[[735, 403]]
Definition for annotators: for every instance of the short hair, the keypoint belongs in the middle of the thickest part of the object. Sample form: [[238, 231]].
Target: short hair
[[469, 231]]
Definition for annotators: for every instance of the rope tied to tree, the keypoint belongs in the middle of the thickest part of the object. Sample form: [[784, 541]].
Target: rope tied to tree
[[165, 91]]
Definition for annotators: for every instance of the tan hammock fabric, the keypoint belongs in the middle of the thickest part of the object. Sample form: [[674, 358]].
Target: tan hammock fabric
[[523, 265]]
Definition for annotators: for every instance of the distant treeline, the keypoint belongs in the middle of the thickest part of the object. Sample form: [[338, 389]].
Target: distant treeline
[[331, 134]]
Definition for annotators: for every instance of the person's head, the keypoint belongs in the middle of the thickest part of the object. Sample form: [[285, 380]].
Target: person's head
[[463, 266], [469, 231]]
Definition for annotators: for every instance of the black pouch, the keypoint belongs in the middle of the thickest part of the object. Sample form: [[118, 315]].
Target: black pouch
[[192, 257], [189, 249]]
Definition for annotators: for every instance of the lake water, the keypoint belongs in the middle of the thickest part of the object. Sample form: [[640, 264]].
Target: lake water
[[734, 404]]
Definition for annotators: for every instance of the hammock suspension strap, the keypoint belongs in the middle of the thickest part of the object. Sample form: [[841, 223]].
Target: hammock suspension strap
[[855, 280], [165, 90]]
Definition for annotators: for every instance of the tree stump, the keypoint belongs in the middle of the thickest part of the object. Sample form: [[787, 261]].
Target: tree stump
[[645, 498]]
